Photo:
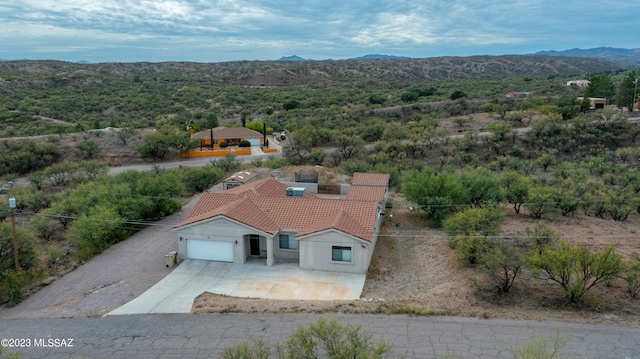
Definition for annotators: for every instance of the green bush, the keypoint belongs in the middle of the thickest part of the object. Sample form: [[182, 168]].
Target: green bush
[[484, 221], [321, 339], [541, 348], [244, 144], [27, 248], [11, 286], [199, 179], [223, 144]]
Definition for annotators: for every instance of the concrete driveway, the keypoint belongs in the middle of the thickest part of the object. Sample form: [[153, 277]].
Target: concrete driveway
[[177, 291]]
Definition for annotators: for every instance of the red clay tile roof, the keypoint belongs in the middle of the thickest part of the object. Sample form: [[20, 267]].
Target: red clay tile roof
[[255, 206], [263, 187], [371, 179], [366, 193], [222, 132]]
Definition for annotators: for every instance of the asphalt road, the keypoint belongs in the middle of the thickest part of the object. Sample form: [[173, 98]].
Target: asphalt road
[[204, 336]]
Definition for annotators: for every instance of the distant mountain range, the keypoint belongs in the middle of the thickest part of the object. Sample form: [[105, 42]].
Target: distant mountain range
[[365, 57], [626, 57], [629, 57]]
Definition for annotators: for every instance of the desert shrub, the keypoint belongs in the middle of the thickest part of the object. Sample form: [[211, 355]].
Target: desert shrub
[[437, 194], [54, 253], [95, 232], [484, 221], [227, 164], [201, 178], [11, 286], [276, 162], [27, 248], [541, 348], [576, 269], [321, 339], [471, 247], [43, 226]]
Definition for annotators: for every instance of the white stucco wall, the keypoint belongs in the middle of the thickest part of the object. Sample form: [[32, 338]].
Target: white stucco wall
[[315, 252], [220, 229]]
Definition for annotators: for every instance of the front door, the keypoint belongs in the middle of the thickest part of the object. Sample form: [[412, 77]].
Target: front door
[[254, 245]]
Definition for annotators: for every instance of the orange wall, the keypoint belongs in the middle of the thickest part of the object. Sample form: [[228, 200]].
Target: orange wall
[[269, 150], [217, 152]]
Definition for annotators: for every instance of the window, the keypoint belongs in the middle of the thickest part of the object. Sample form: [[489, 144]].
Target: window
[[288, 241], [340, 254]]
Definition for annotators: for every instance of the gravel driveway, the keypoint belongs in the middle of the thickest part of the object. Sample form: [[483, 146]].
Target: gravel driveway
[[118, 275]]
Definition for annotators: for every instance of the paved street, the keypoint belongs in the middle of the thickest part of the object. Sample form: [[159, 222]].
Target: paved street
[[203, 336]]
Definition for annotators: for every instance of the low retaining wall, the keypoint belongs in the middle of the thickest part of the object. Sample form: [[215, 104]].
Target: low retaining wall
[[216, 152]]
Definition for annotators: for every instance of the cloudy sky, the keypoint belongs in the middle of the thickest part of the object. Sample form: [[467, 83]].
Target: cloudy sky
[[227, 30]]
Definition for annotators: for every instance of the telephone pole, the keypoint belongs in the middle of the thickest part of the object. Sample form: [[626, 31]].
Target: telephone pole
[[12, 206]]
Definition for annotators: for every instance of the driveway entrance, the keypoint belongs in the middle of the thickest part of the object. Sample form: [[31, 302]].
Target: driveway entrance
[[177, 291]]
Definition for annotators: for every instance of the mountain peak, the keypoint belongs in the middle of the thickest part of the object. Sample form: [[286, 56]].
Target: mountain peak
[[292, 58]]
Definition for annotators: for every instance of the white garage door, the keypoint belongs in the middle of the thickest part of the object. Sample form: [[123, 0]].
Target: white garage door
[[210, 250], [255, 141]]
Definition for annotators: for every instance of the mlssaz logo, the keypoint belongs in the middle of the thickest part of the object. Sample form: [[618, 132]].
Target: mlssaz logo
[[53, 343]]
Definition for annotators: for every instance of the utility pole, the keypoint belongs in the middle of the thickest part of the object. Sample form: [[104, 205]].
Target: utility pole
[[12, 205], [635, 93]]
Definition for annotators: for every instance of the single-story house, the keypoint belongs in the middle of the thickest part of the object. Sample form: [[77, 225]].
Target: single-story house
[[580, 83], [271, 220], [596, 103], [232, 135]]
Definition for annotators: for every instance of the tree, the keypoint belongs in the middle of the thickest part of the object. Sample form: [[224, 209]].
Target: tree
[[576, 269], [484, 221], [482, 185], [158, 143], [631, 276], [628, 90], [124, 134], [348, 146], [290, 105], [88, 148], [515, 188], [45, 227], [503, 261], [568, 107], [199, 179], [299, 148], [600, 86], [212, 120], [228, 163], [94, 232], [543, 235], [411, 96], [437, 194], [321, 339], [541, 201], [457, 94]]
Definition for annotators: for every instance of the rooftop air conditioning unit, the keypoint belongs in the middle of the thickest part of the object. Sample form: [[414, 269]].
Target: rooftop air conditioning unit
[[295, 191]]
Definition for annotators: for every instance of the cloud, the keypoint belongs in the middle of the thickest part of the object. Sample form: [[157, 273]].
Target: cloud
[[179, 29]]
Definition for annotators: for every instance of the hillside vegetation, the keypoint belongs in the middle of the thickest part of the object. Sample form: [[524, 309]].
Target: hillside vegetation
[[461, 154]]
